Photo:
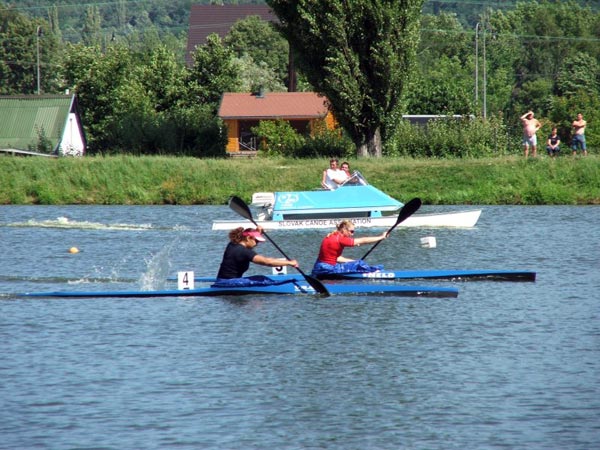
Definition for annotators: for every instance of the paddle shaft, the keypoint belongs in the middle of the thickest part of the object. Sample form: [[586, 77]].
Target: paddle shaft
[[239, 206], [407, 210]]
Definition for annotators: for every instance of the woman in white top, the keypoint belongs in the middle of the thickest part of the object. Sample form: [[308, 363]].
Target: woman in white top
[[334, 176]]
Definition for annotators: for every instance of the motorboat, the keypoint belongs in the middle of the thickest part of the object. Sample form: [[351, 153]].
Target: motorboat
[[356, 200]]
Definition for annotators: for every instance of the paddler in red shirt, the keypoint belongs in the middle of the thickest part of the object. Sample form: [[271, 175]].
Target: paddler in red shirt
[[330, 258]]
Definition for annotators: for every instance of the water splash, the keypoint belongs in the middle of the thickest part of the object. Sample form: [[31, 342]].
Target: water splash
[[158, 268]]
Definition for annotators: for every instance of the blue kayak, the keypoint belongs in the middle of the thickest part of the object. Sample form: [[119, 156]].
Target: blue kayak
[[492, 275], [292, 288], [458, 275]]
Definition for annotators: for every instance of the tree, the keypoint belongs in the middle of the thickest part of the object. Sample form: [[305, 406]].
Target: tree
[[19, 40], [254, 77], [214, 71], [54, 22], [138, 101], [444, 35], [578, 72], [443, 86], [259, 40], [543, 54], [92, 26], [96, 78], [443, 83], [359, 55]]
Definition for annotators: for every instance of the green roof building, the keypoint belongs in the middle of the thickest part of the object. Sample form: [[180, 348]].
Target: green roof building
[[41, 124]]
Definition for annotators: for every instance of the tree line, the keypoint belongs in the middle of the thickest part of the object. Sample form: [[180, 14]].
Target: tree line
[[138, 96]]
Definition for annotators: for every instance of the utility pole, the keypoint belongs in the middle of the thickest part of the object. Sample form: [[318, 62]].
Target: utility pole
[[480, 28], [38, 34], [484, 79], [477, 64]]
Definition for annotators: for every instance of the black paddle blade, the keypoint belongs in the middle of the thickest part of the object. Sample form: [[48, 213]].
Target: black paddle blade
[[240, 207], [407, 210], [316, 284]]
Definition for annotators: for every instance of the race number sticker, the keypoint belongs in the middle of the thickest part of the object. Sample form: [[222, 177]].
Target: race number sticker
[[281, 270], [185, 280]]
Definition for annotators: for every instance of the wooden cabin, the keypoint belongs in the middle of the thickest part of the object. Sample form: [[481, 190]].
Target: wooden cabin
[[243, 111]]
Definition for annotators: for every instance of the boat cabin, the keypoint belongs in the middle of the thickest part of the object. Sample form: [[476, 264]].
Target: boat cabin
[[355, 198]]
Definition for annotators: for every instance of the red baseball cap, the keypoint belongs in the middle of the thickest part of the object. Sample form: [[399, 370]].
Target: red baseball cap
[[255, 234]]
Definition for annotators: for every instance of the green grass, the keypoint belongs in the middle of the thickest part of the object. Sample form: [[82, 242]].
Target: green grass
[[130, 180]]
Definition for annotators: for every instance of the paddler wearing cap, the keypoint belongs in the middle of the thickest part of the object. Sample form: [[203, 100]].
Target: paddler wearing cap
[[240, 253]]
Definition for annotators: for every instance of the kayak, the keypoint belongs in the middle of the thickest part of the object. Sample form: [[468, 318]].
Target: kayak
[[458, 275], [292, 288], [495, 275]]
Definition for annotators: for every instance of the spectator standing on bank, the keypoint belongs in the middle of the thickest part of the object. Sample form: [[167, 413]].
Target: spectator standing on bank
[[530, 127], [578, 142]]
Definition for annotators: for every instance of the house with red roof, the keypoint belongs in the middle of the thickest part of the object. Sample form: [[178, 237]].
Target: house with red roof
[[243, 111]]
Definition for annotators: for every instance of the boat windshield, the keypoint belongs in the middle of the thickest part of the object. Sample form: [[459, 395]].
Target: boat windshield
[[355, 179]]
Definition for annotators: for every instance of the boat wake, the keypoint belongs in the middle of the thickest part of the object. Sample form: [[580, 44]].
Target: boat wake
[[63, 280], [64, 222]]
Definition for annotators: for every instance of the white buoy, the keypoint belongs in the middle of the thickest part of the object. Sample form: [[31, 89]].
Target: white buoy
[[428, 242], [73, 250]]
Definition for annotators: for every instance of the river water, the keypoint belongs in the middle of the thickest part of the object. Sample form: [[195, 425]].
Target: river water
[[504, 365]]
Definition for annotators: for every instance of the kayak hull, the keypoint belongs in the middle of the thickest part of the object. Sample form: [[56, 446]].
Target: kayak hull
[[492, 275], [456, 275], [457, 219], [292, 288]]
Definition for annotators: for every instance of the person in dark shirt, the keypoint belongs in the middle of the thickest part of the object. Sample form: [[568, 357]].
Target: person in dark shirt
[[240, 253], [553, 144]]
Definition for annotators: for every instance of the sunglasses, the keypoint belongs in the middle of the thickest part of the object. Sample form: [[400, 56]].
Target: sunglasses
[[351, 231]]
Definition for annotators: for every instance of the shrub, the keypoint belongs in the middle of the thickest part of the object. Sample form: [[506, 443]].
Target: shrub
[[451, 138], [278, 138], [328, 143]]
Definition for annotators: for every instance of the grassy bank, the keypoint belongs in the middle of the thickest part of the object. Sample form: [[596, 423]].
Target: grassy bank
[[169, 180]]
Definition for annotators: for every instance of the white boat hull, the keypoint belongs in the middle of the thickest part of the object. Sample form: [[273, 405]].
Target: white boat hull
[[458, 219]]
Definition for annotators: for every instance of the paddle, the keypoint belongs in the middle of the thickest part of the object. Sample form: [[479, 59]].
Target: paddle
[[407, 210], [240, 207]]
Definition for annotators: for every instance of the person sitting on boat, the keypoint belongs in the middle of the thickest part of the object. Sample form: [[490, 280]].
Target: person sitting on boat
[[346, 169], [238, 255], [330, 259], [334, 176], [352, 177]]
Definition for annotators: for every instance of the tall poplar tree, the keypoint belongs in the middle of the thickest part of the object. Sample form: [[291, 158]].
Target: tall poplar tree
[[358, 53], [92, 26]]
